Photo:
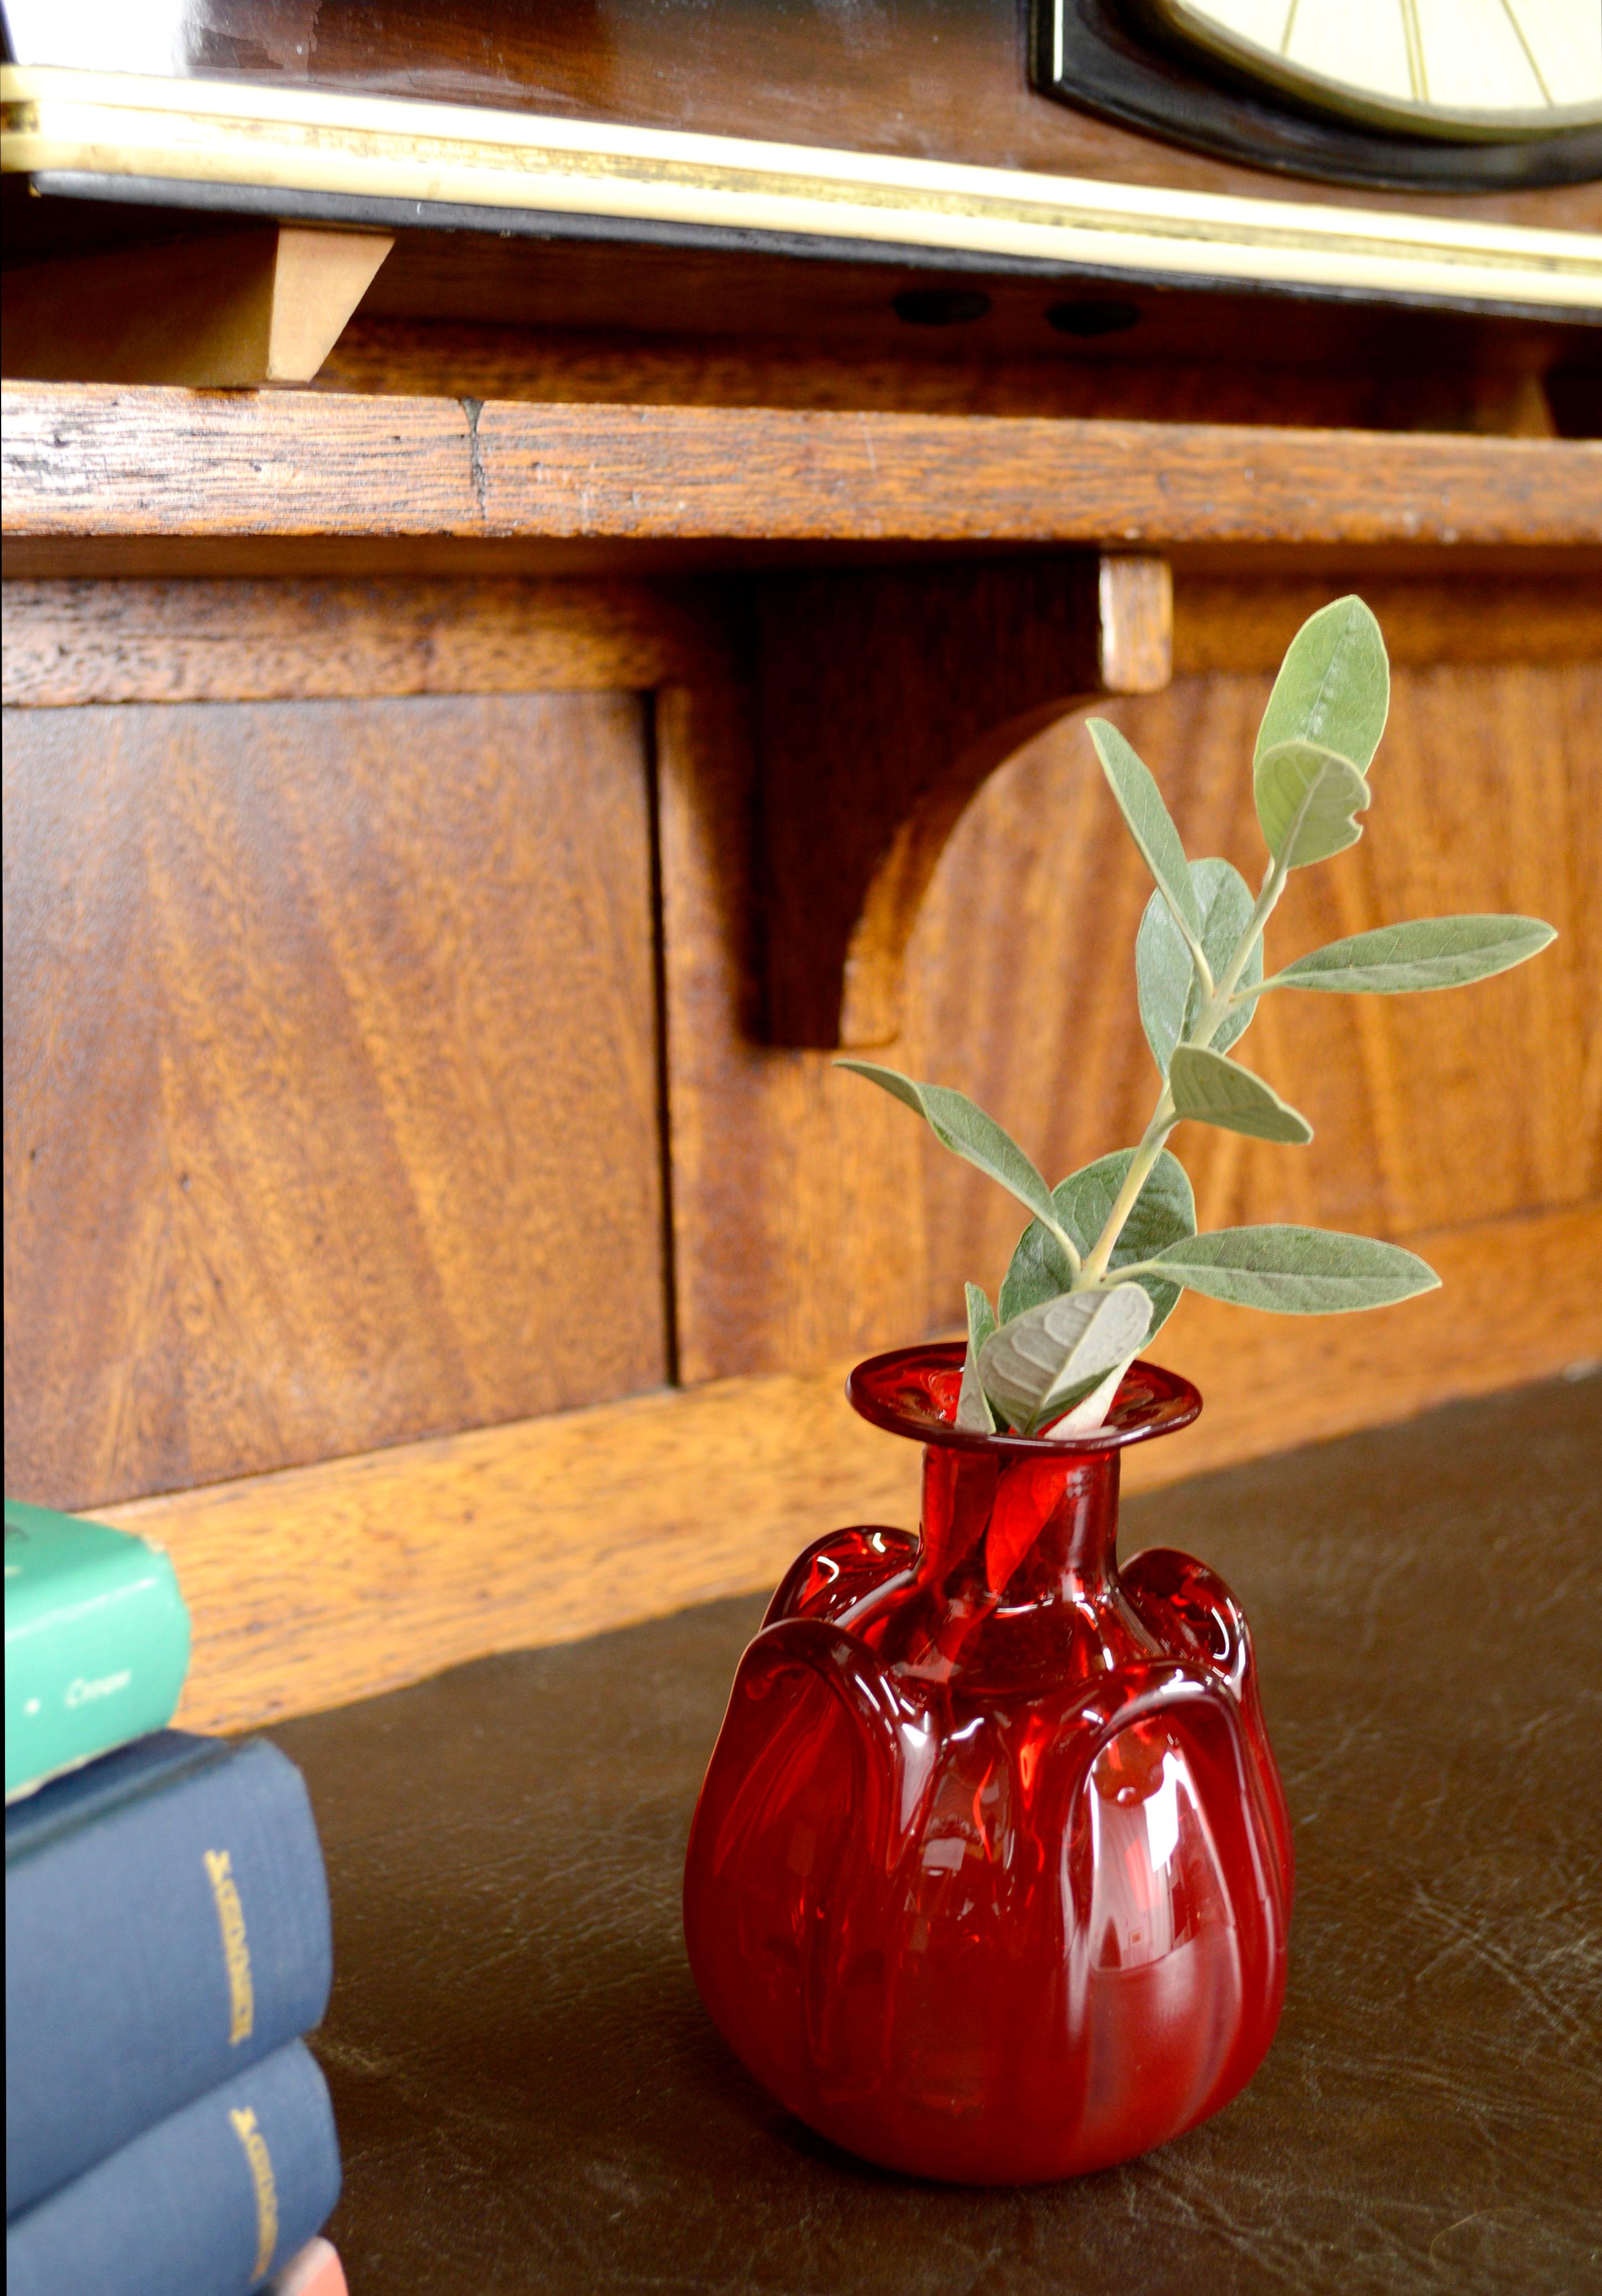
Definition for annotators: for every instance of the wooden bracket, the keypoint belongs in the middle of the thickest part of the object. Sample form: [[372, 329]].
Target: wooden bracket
[[265, 304], [884, 699]]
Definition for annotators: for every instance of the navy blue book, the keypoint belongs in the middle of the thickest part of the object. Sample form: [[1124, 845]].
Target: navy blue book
[[207, 2203], [166, 1927]]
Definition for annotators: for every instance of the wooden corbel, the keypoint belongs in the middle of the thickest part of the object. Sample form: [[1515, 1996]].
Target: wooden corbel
[[884, 699], [261, 306]]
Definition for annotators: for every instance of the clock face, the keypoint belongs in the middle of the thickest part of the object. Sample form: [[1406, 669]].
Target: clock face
[[1465, 70], [1452, 95]]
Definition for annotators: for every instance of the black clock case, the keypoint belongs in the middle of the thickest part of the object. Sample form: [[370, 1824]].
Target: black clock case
[[1118, 59]]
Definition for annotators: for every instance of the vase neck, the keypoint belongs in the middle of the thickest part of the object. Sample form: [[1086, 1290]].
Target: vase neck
[[1018, 1532]]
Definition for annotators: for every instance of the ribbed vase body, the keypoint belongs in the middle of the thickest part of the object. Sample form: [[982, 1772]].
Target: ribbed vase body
[[990, 1875]]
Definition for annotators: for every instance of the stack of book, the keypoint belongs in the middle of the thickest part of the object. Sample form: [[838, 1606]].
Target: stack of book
[[167, 1948]]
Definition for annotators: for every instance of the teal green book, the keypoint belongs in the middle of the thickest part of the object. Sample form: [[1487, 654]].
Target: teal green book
[[96, 1643]]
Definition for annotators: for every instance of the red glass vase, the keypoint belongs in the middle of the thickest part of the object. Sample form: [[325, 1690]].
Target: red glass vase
[[990, 1875]]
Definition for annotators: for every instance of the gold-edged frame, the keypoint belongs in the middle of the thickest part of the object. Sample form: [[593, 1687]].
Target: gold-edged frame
[[222, 135]]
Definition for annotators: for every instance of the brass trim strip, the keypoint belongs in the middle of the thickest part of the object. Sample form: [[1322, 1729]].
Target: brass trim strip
[[220, 132]]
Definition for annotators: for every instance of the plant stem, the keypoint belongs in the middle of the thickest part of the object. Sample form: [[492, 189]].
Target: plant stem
[[1069, 1247], [1210, 1020], [1198, 955], [1164, 1120], [1216, 1010]]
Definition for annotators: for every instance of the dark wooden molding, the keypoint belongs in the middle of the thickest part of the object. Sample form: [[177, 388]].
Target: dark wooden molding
[[71, 642], [884, 701]]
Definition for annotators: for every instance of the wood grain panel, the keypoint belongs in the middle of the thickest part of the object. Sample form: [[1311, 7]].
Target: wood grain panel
[[96, 461], [331, 1080], [244, 641], [332, 1582]]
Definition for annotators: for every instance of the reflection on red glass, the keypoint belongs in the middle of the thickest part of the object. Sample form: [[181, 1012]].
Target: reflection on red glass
[[991, 1874]]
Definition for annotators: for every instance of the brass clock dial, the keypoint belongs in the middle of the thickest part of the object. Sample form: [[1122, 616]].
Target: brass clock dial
[[1465, 70]]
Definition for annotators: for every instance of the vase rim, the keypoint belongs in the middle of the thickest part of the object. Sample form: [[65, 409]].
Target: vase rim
[[1150, 1401]]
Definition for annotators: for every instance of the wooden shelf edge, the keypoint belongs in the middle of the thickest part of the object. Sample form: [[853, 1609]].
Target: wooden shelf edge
[[324, 1583], [87, 461]]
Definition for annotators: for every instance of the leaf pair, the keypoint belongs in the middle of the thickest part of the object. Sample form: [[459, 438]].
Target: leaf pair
[[1062, 1352], [1058, 1354], [1326, 714], [1187, 937], [1039, 1276], [1165, 978], [1334, 687], [1206, 1085], [1172, 993], [1319, 735], [1322, 725]]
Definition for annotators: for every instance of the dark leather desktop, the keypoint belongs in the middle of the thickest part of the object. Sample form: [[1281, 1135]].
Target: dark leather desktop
[[530, 2097]]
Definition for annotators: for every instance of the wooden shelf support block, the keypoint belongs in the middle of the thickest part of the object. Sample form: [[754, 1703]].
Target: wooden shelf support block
[[244, 307], [884, 700]]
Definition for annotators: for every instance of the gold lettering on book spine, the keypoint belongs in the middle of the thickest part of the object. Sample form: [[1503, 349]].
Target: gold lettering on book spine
[[237, 1952], [266, 2189]]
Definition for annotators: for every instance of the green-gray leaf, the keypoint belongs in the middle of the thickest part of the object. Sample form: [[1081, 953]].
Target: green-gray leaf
[[1091, 1409], [1171, 994], [1140, 801], [1334, 687], [959, 1124], [1298, 1271], [1039, 1270], [973, 1405], [1165, 1212], [1306, 801], [1043, 1362], [1215, 1091], [1164, 977], [1429, 953]]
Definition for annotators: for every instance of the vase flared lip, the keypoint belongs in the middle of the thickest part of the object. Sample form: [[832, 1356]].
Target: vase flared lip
[[886, 1390]]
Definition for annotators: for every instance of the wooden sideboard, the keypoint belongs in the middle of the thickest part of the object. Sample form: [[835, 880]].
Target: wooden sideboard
[[456, 807]]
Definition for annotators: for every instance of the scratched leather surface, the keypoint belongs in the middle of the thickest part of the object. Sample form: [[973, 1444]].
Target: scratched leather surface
[[531, 2098]]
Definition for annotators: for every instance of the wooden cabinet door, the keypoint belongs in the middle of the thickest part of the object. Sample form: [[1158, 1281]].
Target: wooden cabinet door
[[331, 1079]]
